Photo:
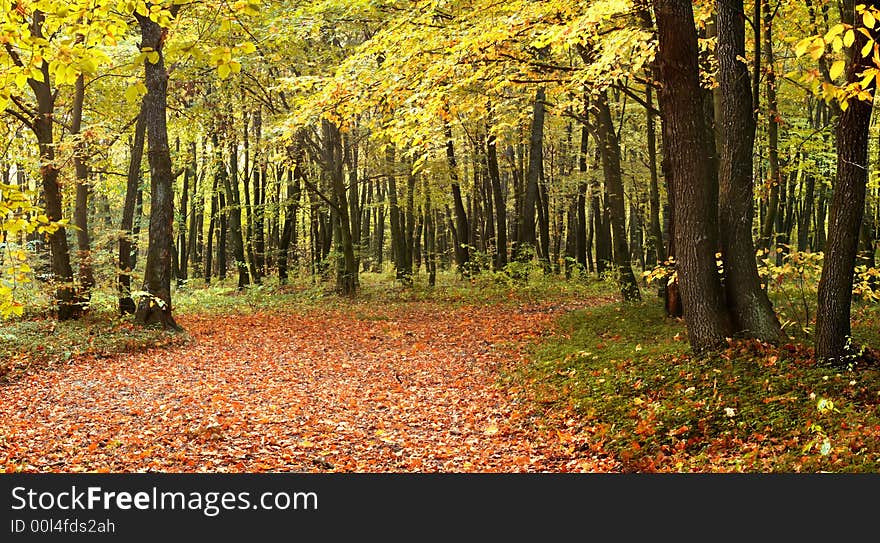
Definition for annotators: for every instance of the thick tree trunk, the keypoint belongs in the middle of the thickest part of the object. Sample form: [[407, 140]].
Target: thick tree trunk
[[684, 132], [752, 313], [833, 329], [157, 308]]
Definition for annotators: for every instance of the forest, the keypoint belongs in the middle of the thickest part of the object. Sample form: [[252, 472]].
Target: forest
[[439, 235]]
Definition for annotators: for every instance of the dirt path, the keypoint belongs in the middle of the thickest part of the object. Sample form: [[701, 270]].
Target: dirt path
[[382, 389]]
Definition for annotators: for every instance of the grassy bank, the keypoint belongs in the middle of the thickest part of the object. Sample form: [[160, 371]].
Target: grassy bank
[[625, 374]]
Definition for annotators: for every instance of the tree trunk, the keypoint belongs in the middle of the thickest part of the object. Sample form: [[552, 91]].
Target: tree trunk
[[234, 204], [83, 189], [773, 120], [184, 240], [347, 267], [657, 251], [157, 307], [126, 240], [527, 239], [43, 128], [752, 313], [461, 227], [833, 329], [610, 152], [684, 132], [500, 204]]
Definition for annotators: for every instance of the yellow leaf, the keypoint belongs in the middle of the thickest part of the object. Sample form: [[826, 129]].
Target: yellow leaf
[[835, 30], [223, 71], [868, 19], [837, 69], [849, 37], [866, 50]]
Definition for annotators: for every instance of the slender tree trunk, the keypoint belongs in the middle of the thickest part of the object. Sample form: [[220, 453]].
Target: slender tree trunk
[[379, 229], [234, 203], [610, 153], [500, 204], [527, 239], [294, 193], [126, 240], [752, 313], [773, 120], [657, 253], [347, 267], [398, 243], [248, 209], [461, 227], [430, 238], [83, 189], [187, 238]]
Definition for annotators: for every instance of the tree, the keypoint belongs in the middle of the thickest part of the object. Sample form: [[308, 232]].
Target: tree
[[751, 311], [833, 328], [156, 306], [683, 134]]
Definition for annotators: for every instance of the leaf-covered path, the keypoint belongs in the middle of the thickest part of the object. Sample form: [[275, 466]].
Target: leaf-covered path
[[396, 388]]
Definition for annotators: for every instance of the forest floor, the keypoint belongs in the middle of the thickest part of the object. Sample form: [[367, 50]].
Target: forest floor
[[388, 387], [471, 376]]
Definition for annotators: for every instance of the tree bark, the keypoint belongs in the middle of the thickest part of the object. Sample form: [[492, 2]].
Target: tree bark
[[43, 125], [610, 152], [500, 204], [527, 239], [126, 240], [752, 313], [157, 307], [684, 132], [461, 227], [833, 328], [83, 190]]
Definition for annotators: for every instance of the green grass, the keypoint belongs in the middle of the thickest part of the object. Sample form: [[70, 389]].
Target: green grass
[[43, 342], [624, 372]]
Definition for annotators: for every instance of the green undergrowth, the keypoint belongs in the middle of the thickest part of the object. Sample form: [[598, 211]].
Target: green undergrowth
[[625, 374], [40, 342], [486, 288]]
